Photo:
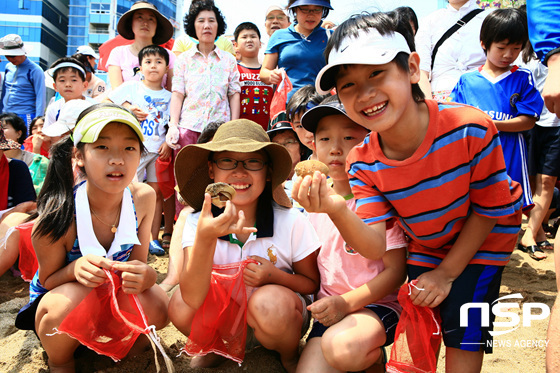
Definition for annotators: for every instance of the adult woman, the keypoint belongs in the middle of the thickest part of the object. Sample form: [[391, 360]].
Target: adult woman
[[206, 80], [299, 48], [144, 24]]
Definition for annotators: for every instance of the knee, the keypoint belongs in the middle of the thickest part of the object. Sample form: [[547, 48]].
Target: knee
[[337, 350], [548, 182], [180, 314], [270, 307]]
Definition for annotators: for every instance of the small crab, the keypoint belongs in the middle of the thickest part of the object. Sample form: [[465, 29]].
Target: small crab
[[220, 193]]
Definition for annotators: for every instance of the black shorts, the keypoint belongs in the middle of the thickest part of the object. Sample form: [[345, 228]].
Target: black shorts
[[543, 154], [388, 317], [478, 283]]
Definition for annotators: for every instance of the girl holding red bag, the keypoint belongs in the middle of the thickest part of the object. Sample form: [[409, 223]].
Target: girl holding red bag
[[102, 224], [258, 225]]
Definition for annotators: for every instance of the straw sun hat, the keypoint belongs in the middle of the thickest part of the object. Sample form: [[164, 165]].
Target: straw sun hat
[[164, 30], [243, 136]]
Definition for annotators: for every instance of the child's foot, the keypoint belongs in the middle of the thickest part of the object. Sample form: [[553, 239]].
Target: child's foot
[[165, 242], [208, 361], [156, 249]]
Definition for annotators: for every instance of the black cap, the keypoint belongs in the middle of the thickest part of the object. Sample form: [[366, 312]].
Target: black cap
[[330, 106]]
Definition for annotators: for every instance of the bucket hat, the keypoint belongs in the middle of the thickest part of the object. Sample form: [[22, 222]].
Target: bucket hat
[[240, 135], [164, 30], [12, 45]]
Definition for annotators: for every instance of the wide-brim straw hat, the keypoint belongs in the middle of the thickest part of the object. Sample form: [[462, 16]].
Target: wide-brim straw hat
[[242, 136], [164, 30]]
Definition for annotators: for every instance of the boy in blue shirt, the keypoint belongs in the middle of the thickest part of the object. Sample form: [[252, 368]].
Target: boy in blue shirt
[[505, 92]]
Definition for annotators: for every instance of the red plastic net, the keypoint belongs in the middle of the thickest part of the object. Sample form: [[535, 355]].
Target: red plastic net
[[107, 321], [417, 337], [220, 324], [165, 177], [27, 261], [278, 103]]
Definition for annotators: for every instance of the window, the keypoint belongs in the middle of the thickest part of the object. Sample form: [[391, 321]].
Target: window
[[98, 8]]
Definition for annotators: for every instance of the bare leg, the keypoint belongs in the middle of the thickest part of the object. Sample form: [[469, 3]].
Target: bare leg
[[9, 249], [553, 335], [168, 216], [180, 313], [313, 360], [157, 214], [275, 313], [457, 360], [176, 253]]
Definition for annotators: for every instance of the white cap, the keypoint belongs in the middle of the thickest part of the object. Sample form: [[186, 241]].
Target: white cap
[[12, 45], [67, 118], [369, 47], [272, 8], [87, 51]]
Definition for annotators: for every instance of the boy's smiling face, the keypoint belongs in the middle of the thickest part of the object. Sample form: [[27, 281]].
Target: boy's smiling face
[[335, 136], [378, 97]]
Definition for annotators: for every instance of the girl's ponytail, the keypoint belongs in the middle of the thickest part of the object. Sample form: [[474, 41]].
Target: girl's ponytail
[[55, 203]]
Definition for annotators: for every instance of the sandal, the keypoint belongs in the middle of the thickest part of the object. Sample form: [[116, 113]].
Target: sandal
[[531, 250], [166, 243], [156, 249], [546, 245]]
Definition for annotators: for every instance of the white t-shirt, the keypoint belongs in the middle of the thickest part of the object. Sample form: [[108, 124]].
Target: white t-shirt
[[293, 239], [53, 110], [155, 103], [460, 53]]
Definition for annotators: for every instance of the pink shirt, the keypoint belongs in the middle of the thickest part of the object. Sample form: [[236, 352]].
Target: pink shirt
[[207, 83], [128, 62], [341, 268]]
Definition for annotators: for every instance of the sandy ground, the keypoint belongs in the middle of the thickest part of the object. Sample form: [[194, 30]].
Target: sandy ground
[[522, 350]]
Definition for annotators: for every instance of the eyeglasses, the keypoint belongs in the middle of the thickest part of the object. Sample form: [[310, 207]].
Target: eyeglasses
[[311, 11], [289, 143], [252, 164], [278, 17]]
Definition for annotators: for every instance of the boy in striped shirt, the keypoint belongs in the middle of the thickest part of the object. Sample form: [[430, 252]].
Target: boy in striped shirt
[[437, 170]]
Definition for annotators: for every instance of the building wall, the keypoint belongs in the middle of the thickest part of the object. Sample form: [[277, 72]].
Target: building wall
[[42, 25]]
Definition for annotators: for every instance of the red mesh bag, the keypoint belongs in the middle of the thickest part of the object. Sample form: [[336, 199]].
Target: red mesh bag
[[278, 103], [108, 321], [165, 177], [220, 324], [27, 261], [417, 337]]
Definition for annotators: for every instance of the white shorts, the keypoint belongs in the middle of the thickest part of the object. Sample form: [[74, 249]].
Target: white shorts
[[147, 167]]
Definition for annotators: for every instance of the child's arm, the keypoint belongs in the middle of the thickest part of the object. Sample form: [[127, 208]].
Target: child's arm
[[137, 275], [330, 310], [517, 124], [194, 280], [304, 280], [140, 114], [235, 105], [53, 270], [115, 76], [269, 72], [314, 195], [164, 151], [436, 284]]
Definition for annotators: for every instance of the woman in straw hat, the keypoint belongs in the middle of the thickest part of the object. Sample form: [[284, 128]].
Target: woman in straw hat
[[144, 24], [259, 224]]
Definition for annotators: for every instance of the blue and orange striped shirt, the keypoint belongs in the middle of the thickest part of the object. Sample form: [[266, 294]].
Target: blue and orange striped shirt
[[457, 170]]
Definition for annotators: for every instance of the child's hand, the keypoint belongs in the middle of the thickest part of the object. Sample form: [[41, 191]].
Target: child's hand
[[431, 289], [230, 221], [88, 270], [164, 151], [172, 137], [137, 276], [330, 310], [140, 114], [275, 76], [260, 274], [314, 195]]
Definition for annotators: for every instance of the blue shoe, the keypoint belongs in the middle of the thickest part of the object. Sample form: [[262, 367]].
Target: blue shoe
[[156, 249]]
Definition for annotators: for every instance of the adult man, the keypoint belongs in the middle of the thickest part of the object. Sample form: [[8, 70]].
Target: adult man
[[276, 18], [23, 88]]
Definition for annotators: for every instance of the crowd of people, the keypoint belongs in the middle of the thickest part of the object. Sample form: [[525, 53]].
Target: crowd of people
[[434, 139]]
